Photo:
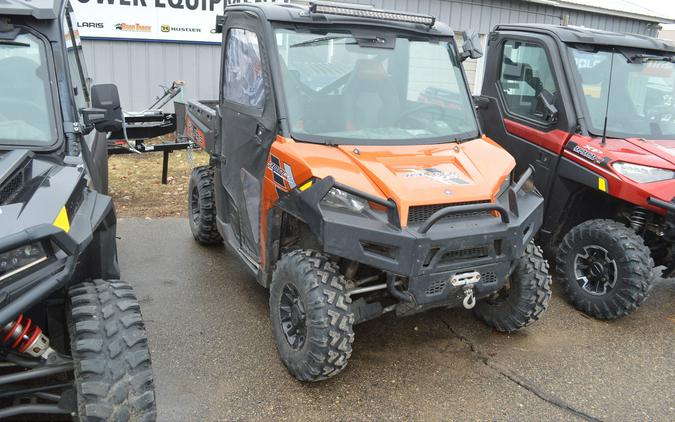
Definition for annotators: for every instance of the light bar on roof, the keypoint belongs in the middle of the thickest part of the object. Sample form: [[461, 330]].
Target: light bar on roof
[[348, 10]]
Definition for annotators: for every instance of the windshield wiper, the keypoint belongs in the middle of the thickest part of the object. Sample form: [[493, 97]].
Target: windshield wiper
[[640, 58], [14, 43], [322, 40]]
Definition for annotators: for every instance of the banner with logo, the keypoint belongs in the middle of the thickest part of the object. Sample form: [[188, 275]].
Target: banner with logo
[[156, 20]]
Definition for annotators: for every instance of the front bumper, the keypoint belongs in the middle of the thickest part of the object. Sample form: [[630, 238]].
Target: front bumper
[[429, 255]]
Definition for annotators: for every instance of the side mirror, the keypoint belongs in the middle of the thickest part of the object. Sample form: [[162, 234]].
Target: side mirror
[[471, 48], [549, 112], [105, 113]]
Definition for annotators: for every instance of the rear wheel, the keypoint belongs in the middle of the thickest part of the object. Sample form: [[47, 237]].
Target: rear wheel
[[524, 297], [311, 315], [604, 268], [202, 206], [113, 373]]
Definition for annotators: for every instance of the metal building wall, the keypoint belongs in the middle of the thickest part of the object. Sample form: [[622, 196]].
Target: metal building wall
[[138, 68], [483, 15]]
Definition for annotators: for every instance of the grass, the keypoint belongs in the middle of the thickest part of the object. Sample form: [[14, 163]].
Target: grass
[[136, 188]]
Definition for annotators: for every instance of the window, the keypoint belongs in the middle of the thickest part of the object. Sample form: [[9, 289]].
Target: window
[[430, 75], [341, 89], [76, 65], [525, 75], [638, 104], [26, 104], [244, 82]]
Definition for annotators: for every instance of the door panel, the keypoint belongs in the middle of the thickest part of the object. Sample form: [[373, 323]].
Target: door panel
[[521, 76], [248, 126]]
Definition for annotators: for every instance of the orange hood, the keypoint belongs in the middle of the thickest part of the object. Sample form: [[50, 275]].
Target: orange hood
[[411, 174]]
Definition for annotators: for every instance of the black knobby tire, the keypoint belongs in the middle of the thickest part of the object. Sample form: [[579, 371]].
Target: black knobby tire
[[113, 372], [328, 334], [202, 206], [524, 298], [631, 271]]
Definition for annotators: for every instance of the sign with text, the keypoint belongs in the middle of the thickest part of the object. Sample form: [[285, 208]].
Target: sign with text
[[156, 20]]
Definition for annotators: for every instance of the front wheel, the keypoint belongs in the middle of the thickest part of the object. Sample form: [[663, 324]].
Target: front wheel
[[604, 269], [524, 297], [311, 315], [113, 373]]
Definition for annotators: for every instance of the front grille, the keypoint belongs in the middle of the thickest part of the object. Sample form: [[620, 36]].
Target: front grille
[[468, 253], [420, 213], [435, 288], [12, 186]]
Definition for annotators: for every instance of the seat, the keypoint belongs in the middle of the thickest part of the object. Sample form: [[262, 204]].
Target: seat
[[371, 99]]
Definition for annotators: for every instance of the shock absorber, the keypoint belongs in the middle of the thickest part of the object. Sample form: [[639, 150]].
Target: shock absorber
[[638, 219], [25, 337]]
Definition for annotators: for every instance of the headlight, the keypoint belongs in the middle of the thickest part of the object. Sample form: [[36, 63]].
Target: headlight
[[643, 174], [20, 259], [504, 186], [337, 198]]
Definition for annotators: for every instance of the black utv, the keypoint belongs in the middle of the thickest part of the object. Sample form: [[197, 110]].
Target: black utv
[[72, 340]]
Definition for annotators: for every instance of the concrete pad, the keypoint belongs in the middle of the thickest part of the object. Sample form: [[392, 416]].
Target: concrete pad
[[214, 357]]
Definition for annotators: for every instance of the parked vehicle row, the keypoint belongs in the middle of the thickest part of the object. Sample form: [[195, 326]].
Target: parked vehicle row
[[350, 170], [350, 173]]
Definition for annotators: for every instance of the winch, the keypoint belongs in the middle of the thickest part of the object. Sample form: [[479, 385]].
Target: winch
[[467, 279]]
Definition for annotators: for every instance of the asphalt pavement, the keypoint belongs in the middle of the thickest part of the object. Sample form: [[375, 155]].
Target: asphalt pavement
[[214, 357]]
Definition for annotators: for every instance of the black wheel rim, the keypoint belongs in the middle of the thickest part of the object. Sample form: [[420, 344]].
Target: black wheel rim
[[293, 317], [194, 205], [595, 270]]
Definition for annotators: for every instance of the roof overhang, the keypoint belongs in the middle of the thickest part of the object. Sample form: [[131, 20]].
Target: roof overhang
[[603, 11], [39, 9]]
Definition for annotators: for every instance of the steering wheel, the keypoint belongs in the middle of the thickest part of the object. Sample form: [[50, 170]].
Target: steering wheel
[[424, 107], [658, 113]]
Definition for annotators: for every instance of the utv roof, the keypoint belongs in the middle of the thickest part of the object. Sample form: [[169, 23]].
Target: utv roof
[[39, 9], [296, 13], [579, 35]]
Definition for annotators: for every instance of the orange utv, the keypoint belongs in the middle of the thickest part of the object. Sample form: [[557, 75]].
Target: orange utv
[[348, 172]]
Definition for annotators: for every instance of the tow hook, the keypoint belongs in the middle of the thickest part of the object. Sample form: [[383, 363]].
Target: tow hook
[[469, 299], [467, 280]]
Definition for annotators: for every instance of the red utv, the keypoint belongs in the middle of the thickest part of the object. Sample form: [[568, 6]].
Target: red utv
[[594, 113]]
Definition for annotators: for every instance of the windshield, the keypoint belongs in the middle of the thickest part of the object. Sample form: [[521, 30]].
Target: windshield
[[26, 113], [341, 90], [640, 102]]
